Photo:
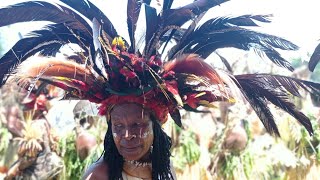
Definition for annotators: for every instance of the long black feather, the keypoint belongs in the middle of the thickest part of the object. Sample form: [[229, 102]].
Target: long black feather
[[42, 11], [167, 4], [277, 90], [177, 17], [176, 35], [244, 20], [241, 39], [133, 10], [223, 24], [315, 58], [260, 106], [220, 33], [97, 54], [91, 11], [187, 33], [290, 84], [46, 41], [226, 63], [175, 114], [183, 14], [152, 27]]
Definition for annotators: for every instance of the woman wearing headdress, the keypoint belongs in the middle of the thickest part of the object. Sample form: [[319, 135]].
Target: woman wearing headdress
[[140, 82]]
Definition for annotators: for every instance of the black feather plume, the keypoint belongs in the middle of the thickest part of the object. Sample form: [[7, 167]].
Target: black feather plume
[[226, 63], [42, 11], [152, 27], [315, 58], [46, 41], [90, 11], [260, 88], [220, 33], [167, 4], [133, 10]]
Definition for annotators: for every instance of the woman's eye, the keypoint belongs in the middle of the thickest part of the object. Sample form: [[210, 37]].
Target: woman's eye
[[118, 125], [138, 124]]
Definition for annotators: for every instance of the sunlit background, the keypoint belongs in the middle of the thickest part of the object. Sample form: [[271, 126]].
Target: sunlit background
[[202, 154]]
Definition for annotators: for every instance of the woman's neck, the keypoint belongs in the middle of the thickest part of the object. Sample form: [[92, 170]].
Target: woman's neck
[[144, 172]]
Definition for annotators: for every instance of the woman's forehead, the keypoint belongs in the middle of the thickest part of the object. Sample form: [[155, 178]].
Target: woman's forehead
[[129, 109]]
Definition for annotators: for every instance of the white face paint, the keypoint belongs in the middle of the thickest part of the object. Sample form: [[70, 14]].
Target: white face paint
[[145, 134], [115, 135]]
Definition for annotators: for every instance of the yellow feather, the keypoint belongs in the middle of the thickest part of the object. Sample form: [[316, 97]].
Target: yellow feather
[[118, 41], [207, 104], [200, 94]]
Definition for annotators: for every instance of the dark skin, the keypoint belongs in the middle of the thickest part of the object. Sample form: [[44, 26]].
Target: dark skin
[[133, 137], [98, 170]]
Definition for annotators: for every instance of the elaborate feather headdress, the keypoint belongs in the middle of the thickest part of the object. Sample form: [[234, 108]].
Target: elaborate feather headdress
[[112, 70]]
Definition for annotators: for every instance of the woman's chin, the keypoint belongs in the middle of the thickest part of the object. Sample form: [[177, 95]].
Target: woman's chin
[[131, 153]]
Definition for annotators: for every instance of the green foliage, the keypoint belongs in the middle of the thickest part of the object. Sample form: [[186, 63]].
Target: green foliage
[[237, 166], [188, 152], [312, 143], [315, 76], [247, 160], [298, 62], [74, 166], [5, 137]]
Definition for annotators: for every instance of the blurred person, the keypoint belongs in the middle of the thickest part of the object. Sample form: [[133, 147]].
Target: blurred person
[[36, 144], [84, 113]]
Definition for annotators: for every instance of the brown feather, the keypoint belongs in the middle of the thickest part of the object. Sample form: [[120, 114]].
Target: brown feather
[[49, 67], [193, 64]]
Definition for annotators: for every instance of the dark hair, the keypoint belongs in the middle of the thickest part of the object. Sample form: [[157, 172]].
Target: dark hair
[[160, 156]]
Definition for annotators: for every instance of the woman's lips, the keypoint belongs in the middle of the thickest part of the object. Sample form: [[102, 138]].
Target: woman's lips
[[130, 149]]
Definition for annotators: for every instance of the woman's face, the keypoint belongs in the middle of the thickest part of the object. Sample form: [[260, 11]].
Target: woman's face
[[132, 131]]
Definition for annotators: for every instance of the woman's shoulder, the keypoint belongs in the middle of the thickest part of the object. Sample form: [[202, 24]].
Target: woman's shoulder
[[97, 171]]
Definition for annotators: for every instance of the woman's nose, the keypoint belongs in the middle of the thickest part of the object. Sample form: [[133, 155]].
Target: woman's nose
[[129, 135]]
